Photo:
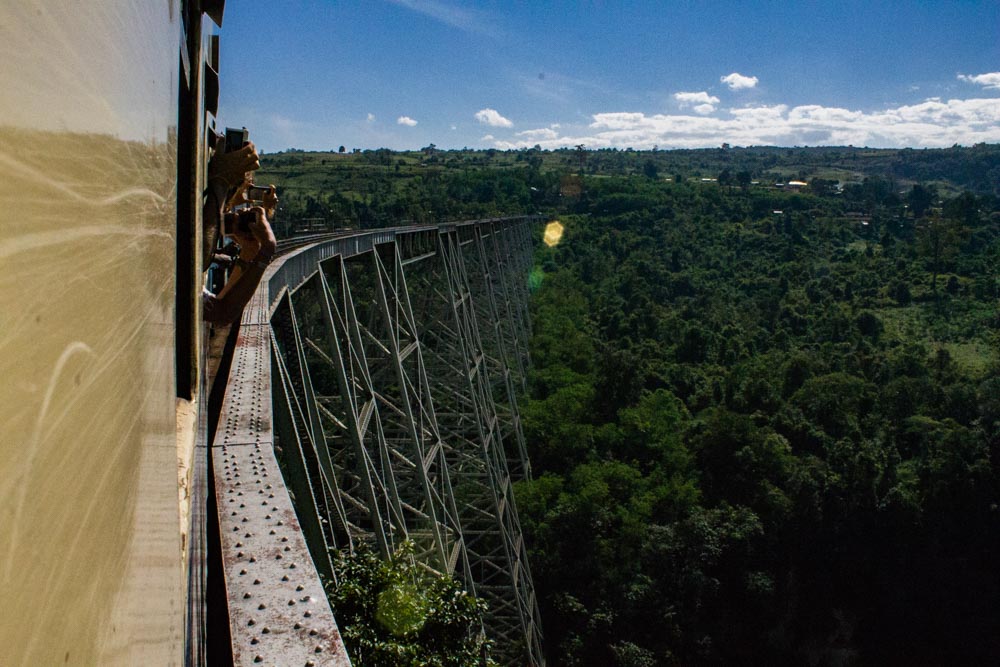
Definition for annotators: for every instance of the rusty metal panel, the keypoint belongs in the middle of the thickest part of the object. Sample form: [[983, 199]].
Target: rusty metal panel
[[279, 613]]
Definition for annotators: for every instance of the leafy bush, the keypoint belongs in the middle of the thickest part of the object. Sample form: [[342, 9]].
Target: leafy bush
[[393, 613]]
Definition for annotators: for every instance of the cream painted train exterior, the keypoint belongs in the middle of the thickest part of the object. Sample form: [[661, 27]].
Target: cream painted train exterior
[[101, 346]]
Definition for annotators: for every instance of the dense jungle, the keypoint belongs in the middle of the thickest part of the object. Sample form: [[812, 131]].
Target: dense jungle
[[764, 405]]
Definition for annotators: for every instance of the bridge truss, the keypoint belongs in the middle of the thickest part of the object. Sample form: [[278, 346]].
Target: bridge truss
[[372, 399]]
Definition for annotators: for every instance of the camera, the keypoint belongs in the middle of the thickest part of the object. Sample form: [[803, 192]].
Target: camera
[[236, 139], [257, 192]]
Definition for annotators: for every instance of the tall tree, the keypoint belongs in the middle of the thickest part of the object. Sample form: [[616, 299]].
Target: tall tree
[[919, 200], [938, 240]]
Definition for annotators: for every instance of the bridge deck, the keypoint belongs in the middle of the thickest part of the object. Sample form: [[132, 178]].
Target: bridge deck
[[278, 610]]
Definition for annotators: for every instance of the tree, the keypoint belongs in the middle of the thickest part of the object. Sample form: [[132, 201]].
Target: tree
[[964, 208], [341, 150], [650, 170], [744, 179], [938, 240], [919, 200], [394, 612], [581, 155], [725, 178]]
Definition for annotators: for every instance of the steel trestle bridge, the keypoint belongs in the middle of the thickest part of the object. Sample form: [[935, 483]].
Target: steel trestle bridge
[[372, 399]]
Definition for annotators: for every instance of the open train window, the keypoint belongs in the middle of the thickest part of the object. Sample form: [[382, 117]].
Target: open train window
[[184, 316]]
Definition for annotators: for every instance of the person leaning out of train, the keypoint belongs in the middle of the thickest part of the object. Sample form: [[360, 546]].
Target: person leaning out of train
[[228, 173]]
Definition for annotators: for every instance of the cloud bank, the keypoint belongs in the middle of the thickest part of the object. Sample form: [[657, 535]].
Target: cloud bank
[[932, 123], [492, 118], [990, 80], [737, 81], [406, 120]]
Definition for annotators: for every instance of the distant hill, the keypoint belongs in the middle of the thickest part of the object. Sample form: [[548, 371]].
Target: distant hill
[[383, 187]]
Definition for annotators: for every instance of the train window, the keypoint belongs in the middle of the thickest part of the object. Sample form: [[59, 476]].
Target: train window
[[187, 122]]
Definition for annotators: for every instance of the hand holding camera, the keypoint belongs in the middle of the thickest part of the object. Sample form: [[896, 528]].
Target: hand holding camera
[[266, 197], [231, 167], [250, 228]]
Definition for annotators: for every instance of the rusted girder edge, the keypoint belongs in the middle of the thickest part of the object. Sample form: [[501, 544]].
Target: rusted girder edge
[[278, 611]]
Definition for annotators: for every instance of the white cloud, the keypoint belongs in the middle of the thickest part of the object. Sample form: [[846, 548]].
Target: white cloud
[[701, 102], [462, 18], [488, 137], [406, 120], [932, 123], [990, 80], [371, 118], [492, 118], [737, 81]]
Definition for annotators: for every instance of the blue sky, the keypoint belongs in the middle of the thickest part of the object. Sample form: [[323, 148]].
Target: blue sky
[[402, 74]]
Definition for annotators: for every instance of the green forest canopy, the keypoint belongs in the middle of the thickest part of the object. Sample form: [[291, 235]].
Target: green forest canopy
[[763, 437], [764, 421]]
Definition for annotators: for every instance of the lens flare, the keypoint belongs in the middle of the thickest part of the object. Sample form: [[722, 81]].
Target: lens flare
[[553, 233]]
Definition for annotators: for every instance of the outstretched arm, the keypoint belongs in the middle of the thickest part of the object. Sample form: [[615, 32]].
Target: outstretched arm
[[226, 171], [227, 307]]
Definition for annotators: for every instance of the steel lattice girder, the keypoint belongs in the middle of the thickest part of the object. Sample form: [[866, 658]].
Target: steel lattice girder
[[468, 416], [396, 357]]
